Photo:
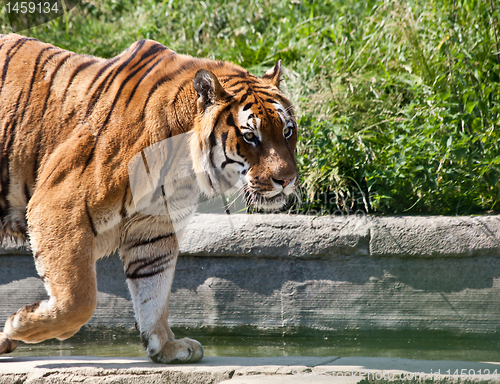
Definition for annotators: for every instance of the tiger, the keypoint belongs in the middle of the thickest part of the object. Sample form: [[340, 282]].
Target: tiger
[[70, 126]]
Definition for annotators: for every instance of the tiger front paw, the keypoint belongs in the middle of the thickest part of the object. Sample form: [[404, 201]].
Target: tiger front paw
[[178, 351], [6, 345]]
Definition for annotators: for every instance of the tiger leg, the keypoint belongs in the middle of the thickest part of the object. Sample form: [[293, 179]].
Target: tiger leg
[[7, 345], [64, 260], [149, 267]]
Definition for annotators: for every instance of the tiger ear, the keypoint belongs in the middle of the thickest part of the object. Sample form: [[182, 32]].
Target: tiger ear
[[273, 76], [208, 88]]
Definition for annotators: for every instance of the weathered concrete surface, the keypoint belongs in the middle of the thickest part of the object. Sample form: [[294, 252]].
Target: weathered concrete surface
[[278, 272], [276, 236], [311, 237], [136, 370], [236, 370], [435, 236]]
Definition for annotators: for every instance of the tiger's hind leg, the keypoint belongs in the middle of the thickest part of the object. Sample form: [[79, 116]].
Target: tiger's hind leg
[[64, 260], [149, 265]]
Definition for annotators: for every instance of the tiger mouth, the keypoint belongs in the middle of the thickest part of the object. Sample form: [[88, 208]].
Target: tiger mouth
[[259, 201]]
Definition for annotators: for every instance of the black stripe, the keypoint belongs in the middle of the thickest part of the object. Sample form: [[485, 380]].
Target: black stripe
[[213, 144], [229, 76], [80, 68], [50, 174], [19, 43], [239, 82], [125, 63], [239, 153], [97, 94], [260, 93], [157, 265], [237, 132], [123, 210], [101, 71], [154, 88], [92, 226], [264, 91], [151, 51], [167, 78], [99, 91], [242, 81], [27, 193], [135, 275], [108, 80], [147, 262], [76, 71], [106, 121], [118, 93], [92, 151], [244, 97], [228, 160], [230, 121], [271, 100], [248, 106], [277, 98], [212, 139], [152, 240], [239, 73], [37, 63], [7, 138], [140, 80], [35, 159], [51, 57], [52, 77], [238, 90], [6, 144]]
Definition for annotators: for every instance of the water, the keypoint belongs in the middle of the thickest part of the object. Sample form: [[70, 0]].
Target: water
[[424, 346]]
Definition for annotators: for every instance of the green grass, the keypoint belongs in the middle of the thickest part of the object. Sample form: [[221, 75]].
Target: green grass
[[398, 102]]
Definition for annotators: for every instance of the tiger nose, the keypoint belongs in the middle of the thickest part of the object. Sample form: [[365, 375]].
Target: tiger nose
[[284, 182]]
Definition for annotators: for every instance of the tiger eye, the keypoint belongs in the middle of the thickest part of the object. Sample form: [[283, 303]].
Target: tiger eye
[[287, 132], [249, 136]]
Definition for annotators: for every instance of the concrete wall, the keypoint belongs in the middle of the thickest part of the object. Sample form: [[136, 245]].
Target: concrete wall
[[279, 272]]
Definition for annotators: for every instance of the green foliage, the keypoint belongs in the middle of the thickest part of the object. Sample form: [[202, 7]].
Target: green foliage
[[411, 112], [398, 103]]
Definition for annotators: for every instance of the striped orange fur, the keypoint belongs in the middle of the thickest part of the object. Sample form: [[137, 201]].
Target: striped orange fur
[[70, 125]]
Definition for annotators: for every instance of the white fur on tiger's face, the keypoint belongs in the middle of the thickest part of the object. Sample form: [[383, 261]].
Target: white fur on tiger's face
[[86, 168], [253, 140]]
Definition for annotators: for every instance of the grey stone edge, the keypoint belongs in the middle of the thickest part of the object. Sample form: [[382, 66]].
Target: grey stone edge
[[298, 236]]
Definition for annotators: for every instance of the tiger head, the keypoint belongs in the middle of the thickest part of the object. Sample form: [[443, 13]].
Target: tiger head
[[245, 136]]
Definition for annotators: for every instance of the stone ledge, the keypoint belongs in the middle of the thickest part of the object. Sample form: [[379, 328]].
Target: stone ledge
[[435, 236], [232, 370], [277, 272], [296, 236], [275, 236]]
